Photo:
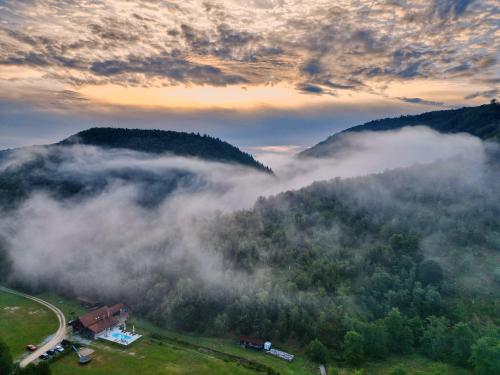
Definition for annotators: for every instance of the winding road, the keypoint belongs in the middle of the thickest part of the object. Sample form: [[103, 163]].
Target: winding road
[[56, 338]]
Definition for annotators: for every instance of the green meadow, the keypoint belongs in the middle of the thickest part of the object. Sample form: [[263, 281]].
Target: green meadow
[[23, 322]]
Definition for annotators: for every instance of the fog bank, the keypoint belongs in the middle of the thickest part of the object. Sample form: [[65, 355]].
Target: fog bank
[[107, 244]]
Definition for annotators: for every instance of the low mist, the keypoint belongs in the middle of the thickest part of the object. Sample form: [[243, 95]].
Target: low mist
[[108, 245]]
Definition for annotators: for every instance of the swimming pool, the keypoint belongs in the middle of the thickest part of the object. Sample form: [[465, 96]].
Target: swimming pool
[[121, 336], [117, 336]]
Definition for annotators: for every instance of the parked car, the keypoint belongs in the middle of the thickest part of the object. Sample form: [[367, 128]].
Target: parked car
[[59, 348], [31, 347], [51, 351], [44, 356]]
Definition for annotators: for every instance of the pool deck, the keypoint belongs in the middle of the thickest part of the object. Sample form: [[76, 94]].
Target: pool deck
[[108, 336]]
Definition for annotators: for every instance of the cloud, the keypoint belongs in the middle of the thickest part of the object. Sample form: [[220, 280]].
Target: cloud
[[309, 89], [173, 67], [421, 101], [167, 42], [488, 94], [451, 8]]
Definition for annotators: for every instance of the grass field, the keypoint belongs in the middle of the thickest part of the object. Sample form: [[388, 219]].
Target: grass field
[[148, 358], [23, 322]]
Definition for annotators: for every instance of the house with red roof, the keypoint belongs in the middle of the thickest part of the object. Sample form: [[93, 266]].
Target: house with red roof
[[97, 321]]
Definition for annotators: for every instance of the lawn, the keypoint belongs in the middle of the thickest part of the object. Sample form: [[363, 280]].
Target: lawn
[[23, 322], [146, 358]]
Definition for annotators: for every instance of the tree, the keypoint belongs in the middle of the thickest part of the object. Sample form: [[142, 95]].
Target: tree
[[436, 341], [221, 324], [316, 351], [353, 348], [6, 363], [375, 339], [400, 334], [486, 355], [430, 272], [462, 339]]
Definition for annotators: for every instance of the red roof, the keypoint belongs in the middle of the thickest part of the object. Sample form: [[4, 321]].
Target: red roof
[[94, 316], [101, 318], [102, 325], [253, 340]]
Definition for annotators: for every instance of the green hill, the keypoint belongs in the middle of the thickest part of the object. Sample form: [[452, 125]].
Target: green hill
[[482, 122], [51, 168], [161, 141]]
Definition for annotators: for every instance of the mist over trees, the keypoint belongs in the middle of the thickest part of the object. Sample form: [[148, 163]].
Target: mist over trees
[[482, 121], [162, 141], [352, 268]]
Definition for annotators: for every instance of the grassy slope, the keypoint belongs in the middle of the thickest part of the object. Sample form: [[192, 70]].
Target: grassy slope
[[23, 322]]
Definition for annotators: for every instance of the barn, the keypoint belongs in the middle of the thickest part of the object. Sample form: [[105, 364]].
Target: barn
[[97, 321]]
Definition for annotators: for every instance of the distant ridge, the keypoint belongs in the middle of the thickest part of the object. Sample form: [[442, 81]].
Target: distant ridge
[[165, 141], [482, 121]]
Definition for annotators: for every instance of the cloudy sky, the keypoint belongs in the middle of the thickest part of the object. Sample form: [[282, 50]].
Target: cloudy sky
[[263, 74]]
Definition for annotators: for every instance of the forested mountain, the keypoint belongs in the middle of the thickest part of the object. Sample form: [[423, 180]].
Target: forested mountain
[[161, 141], [482, 121], [398, 262], [53, 168]]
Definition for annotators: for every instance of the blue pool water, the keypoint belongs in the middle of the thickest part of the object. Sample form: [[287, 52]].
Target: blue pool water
[[121, 336]]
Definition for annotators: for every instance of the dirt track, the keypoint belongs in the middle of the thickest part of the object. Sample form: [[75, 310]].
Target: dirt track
[[57, 337]]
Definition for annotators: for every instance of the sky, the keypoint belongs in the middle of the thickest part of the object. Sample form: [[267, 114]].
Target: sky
[[265, 75]]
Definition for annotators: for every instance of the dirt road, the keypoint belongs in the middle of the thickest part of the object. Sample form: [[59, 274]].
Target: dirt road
[[56, 338]]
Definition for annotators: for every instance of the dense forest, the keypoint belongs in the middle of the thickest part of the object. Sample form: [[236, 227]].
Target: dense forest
[[482, 121], [398, 262], [163, 141]]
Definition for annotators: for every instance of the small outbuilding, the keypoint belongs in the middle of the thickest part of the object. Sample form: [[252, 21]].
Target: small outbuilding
[[251, 343]]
